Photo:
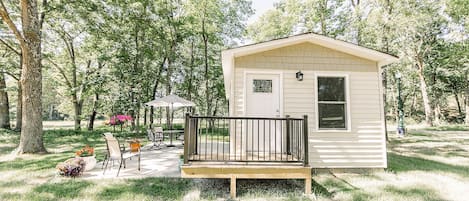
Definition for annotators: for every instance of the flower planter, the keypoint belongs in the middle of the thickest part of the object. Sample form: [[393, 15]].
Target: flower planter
[[90, 162], [134, 146]]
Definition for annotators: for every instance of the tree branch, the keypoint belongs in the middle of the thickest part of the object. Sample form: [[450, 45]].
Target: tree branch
[[43, 14], [11, 75], [62, 72], [6, 18], [10, 47]]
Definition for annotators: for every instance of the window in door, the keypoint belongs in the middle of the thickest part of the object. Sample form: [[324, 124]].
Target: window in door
[[332, 103], [262, 86]]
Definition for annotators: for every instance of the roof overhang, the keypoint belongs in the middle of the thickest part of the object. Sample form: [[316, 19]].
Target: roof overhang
[[229, 55]]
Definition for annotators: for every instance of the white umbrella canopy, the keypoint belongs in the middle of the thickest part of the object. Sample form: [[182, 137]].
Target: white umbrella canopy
[[170, 101]]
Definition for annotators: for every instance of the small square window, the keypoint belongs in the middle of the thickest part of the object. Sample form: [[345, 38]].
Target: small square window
[[262, 86]]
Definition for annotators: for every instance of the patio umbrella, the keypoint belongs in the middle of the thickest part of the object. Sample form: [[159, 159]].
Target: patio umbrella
[[172, 101]]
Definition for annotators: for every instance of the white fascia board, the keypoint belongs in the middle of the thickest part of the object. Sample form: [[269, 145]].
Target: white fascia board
[[228, 68], [349, 48]]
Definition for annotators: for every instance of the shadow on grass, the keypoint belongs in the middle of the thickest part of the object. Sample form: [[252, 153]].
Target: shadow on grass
[[270, 187], [156, 188], [6, 149], [449, 128], [414, 193], [320, 190], [10, 196], [68, 189], [338, 185], [34, 164], [447, 150], [12, 184], [57, 138], [401, 163]]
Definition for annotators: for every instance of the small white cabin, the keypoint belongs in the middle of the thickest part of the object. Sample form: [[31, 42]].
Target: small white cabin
[[335, 83]]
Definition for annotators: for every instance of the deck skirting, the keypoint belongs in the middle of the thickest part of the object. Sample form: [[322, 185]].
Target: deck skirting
[[234, 172]]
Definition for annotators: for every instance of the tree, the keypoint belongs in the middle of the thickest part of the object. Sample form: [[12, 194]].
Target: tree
[[4, 104], [13, 69], [29, 39]]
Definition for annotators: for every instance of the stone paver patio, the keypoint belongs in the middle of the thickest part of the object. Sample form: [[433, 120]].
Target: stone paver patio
[[163, 162]]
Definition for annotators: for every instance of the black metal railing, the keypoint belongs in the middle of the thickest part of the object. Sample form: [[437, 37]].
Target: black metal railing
[[246, 139]]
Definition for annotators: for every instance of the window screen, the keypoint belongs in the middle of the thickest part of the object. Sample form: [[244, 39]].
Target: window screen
[[332, 105]]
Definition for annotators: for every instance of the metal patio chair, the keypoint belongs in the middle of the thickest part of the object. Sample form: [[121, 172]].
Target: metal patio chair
[[156, 137], [115, 152]]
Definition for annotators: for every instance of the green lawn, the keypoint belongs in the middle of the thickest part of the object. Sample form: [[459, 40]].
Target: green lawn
[[430, 164]]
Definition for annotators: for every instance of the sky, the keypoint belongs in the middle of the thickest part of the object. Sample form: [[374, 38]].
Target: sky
[[260, 7]]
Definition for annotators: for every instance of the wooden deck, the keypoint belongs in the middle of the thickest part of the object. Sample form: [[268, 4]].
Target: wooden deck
[[245, 157], [246, 153]]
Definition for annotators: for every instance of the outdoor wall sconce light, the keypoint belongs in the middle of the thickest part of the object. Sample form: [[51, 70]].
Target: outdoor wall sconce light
[[299, 76]]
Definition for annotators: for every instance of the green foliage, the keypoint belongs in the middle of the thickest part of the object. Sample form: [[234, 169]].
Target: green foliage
[[420, 33]]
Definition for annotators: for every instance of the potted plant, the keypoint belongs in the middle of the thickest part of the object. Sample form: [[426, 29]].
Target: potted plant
[[134, 145], [72, 167], [87, 154]]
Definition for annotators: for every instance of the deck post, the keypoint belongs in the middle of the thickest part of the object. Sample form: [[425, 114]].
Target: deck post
[[195, 134], [233, 186], [308, 186], [305, 140], [287, 122], [186, 138]]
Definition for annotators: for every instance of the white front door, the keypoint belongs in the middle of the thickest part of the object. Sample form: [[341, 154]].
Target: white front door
[[263, 100]]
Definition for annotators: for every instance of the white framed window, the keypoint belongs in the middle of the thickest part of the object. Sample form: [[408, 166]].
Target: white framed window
[[332, 102]]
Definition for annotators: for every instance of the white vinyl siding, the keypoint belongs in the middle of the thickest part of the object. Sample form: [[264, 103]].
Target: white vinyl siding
[[364, 145]]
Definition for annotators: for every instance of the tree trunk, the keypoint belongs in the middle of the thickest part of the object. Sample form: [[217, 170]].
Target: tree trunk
[[31, 80], [4, 104], [358, 19], [145, 113], [206, 76], [19, 108], [466, 97], [191, 72], [322, 18], [137, 121], [437, 115], [458, 103], [77, 109], [155, 88], [385, 83], [425, 97], [94, 112], [168, 117]]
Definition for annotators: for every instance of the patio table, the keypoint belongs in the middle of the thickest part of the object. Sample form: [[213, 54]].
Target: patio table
[[171, 133]]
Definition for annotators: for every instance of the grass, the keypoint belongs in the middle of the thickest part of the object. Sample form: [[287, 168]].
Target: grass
[[428, 164], [449, 128]]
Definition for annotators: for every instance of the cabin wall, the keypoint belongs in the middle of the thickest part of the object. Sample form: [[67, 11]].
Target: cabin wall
[[364, 145]]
